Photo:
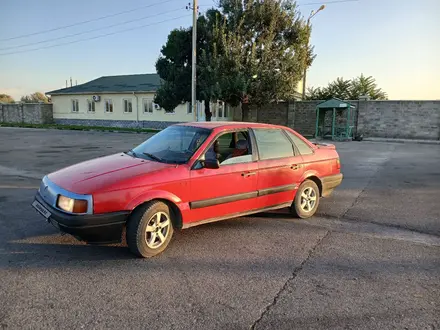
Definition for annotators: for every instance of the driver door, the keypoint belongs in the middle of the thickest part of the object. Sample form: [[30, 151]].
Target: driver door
[[229, 189]]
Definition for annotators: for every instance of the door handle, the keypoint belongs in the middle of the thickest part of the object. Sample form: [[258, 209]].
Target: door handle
[[295, 167], [248, 174]]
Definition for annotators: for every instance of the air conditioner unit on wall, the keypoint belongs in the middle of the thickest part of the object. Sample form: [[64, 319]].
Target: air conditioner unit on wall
[[96, 98]]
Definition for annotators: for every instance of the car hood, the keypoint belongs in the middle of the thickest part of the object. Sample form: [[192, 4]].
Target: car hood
[[99, 173]]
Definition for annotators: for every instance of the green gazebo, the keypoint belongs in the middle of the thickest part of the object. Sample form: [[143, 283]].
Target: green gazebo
[[334, 120]]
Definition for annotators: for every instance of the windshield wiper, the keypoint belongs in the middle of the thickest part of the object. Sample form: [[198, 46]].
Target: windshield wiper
[[160, 160], [132, 152]]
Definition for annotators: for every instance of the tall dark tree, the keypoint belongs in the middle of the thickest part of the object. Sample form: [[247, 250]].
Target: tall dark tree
[[255, 48], [174, 66], [263, 48]]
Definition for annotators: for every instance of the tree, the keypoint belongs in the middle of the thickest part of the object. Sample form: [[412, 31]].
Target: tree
[[253, 48], [263, 50], [348, 89], [36, 97], [5, 98], [174, 66], [366, 86]]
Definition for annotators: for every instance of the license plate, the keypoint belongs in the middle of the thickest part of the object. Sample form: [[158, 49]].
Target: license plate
[[41, 209]]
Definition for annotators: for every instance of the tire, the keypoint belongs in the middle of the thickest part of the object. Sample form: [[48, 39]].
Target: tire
[[306, 200], [150, 229]]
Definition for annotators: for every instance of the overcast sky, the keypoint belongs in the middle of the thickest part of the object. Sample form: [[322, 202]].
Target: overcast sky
[[396, 41]]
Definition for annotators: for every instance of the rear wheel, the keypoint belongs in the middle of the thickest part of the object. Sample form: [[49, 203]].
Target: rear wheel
[[150, 229], [306, 200]]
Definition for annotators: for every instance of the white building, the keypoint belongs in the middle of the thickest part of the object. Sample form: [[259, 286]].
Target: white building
[[124, 101]]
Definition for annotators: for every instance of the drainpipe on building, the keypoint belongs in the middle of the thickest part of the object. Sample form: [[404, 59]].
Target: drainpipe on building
[[137, 108]]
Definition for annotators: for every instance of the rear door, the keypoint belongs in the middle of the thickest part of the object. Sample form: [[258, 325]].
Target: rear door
[[230, 189], [316, 163], [279, 170]]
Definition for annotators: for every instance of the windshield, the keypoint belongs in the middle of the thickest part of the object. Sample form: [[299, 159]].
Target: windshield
[[173, 145]]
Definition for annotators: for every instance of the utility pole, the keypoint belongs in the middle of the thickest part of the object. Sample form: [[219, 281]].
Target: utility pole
[[313, 13], [194, 58]]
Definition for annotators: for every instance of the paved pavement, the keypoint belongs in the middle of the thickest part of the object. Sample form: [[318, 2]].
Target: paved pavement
[[370, 259]]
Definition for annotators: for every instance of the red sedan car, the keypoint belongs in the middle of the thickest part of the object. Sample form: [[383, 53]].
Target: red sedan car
[[187, 175]]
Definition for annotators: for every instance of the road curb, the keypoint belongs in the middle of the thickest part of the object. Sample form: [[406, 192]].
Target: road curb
[[433, 142]]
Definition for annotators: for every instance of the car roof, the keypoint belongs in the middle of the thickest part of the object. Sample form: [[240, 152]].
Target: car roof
[[226, 124]]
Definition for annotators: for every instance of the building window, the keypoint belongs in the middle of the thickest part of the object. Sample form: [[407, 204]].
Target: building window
[[148, 105], [226, 110], [91, 105], [189, 107], [128, 105], [109, 106], [75, 106]]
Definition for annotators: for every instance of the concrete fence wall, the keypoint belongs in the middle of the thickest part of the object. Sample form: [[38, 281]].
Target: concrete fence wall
[[400, 119], [26, 113], [387, 119]]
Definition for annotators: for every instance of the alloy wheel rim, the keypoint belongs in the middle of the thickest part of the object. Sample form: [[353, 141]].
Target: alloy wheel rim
[[158, 228], [308, 199]]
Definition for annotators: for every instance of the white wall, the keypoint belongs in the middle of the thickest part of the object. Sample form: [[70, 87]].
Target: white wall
[[62, 109]]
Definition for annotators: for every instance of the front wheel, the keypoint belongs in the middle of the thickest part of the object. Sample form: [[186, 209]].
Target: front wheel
[[149, 229], [306, 200]]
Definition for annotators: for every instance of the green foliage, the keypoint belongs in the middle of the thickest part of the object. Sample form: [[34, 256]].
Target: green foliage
[[366, 86], [5, 98], [174, 65], [255, 48], [263, 50], [348, 90], [36, 97]]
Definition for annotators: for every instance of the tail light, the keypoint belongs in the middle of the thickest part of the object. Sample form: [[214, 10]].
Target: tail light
[[338, 164]]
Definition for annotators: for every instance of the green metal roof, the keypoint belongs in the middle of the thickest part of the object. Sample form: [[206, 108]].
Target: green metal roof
[[149, 82], [334, 103]]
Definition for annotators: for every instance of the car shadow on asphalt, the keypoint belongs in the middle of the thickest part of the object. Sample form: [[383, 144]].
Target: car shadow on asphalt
[[47, 246]]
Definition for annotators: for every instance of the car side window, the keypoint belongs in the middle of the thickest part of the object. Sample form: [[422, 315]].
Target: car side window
[[303, 148], [231, 148], [272, 144]]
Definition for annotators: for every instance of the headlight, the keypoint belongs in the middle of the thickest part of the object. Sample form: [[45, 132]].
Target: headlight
[[72, 205]]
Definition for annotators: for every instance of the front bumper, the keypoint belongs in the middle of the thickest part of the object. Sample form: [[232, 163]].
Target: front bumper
[[93, 228]]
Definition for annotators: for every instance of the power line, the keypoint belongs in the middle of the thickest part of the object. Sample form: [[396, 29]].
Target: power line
[[87, 21], [325, 2], [89, 31], [301, 4], [96, 37]]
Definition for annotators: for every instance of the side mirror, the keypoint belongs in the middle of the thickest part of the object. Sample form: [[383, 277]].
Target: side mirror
[[211, 164]]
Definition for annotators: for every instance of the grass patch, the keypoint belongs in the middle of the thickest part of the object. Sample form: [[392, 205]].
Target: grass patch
[[80, 127]]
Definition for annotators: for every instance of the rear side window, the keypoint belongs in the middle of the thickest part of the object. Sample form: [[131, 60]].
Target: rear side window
[[303, 148], [273, 143]]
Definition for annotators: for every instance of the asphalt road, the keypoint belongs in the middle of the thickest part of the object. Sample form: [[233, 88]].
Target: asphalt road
[[370, 259]]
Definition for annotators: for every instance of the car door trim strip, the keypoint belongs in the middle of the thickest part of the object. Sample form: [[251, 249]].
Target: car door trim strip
[[276, 190], [240, 197], [233, 215], [222, 200]]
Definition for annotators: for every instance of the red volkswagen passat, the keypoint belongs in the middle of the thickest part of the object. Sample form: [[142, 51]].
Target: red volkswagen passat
[[187, 175]]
